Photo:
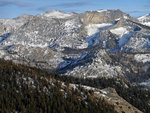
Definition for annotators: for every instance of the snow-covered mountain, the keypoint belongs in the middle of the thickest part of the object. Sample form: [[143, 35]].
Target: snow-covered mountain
[[145, 19], [56, 14], [102, 43]]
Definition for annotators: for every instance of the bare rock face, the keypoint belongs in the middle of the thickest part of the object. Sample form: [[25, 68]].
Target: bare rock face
[[2, 28], [103, 16], [93, 18], [89, 44]]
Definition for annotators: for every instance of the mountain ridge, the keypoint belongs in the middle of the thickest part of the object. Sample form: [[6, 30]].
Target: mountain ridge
[[89, 40]]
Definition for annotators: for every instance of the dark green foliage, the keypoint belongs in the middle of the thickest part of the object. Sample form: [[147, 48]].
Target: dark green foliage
[[18, 95], [139, 98]]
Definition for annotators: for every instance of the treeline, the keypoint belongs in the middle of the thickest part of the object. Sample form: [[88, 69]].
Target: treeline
[[139, 98], [136, 96], [36, 95]]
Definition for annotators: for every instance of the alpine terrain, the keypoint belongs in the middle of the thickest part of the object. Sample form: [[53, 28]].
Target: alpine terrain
[[97, 49]]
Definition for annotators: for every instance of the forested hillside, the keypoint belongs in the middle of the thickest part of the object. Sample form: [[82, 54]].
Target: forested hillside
[[138, 97], [28, 90]]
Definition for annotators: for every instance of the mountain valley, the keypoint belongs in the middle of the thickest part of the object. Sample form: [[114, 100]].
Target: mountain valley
[[107, 45]]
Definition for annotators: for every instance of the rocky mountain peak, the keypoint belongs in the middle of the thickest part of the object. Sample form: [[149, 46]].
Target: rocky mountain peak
[[57, 14], [89, 44], [142, 18], [145, 19]]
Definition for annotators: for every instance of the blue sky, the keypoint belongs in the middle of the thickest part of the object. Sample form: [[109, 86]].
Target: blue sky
[[14, 8]]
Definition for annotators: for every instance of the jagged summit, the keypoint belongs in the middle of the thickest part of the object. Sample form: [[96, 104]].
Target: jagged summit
[[57, 14], [104, 16], [145, 19], [142, 18]]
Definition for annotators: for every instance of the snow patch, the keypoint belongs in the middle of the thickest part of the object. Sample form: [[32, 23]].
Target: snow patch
[[83, 45], [125, 38], [91, 77], [142, 57], [74, 86], [146, 83], [57, 14], [88, 87], [119, 31], [103, 95], [94, 28], [146, 23], [125, 17], [103, 10], [2, 53], [104, 92], [117, 19]]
